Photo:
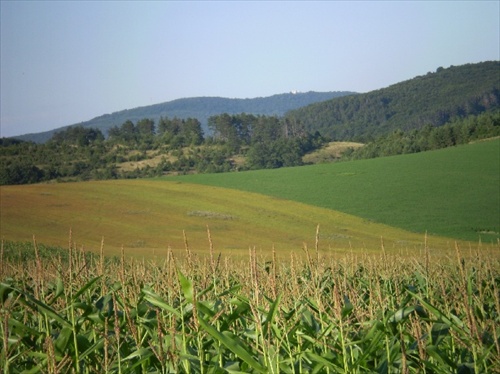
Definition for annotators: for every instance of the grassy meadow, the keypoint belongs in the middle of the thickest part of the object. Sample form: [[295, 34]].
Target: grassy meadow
[[452, 192], [146, 217]]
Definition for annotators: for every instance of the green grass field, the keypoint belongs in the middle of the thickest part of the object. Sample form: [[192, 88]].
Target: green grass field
[[454, 192]]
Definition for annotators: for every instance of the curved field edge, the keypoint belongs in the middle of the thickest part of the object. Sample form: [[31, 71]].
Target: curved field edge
[[452, 192], [146, 218]]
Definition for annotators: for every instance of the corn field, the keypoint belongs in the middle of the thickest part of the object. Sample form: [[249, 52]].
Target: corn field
[[307, 312]]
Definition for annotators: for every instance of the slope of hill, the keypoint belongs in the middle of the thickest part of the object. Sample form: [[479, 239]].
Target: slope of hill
[[452, 192], [432, 99], [200, 108], [146, 217]]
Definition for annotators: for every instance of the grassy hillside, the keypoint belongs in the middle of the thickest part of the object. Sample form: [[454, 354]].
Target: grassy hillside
[[452, 192], [431, 99], [147, 217]]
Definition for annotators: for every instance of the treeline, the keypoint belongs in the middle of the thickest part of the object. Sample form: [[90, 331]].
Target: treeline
[[200, 108], [237, 142], [459, 131], [176, 146]]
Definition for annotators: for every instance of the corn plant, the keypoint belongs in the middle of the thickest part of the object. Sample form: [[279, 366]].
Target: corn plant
[[77, 312]]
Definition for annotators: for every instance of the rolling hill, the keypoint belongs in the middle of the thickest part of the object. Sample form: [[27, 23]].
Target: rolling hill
[[200, 108], [452, 192], [148, 216], [432, 99]]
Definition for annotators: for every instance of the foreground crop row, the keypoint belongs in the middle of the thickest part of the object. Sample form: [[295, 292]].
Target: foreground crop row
[[81, 313]]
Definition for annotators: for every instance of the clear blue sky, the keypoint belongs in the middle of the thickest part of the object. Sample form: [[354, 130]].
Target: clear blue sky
[[64, 62]]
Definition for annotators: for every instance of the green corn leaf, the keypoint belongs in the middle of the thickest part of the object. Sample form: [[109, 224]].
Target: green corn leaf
[[34, 370], [143, 352], [402, 314], [442, 357], [86, 308], [321, 363], [231, 291], [143, 355], [62, 340], [156, 300], [241, 310], [19, 327], [347, 308], [44, 309], [270, 315], [433, 368], [233, 368], [94, 348], [187, 287], [96, 318], [375, 339], [439, 331], [454, 322], [310, 323], [313, 305], [277, 332], [234, 344], [85, 287], [206, 290], [58, 292], [5, 290]]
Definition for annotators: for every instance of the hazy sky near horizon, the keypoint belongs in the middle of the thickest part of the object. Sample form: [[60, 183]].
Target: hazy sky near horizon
[[64, 62]]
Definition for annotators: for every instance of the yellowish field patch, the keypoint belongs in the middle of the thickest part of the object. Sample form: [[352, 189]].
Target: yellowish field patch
[[148, 216], [153, 161], [330, 152]]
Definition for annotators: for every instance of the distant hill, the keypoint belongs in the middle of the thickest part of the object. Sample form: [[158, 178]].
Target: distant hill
[[434, 99], [200, 108]]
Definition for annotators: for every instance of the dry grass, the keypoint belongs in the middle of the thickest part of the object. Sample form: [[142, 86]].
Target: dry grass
[[152, 160], [331, 152]]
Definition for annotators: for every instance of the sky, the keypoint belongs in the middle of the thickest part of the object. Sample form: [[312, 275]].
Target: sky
[[64, 62]]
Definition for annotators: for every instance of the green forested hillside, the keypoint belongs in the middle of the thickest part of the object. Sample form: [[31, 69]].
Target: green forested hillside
[[200, 108], [433, 99]]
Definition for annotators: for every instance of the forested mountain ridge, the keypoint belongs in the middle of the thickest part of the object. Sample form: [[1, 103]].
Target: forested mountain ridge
[[433, 99], [200, 108]]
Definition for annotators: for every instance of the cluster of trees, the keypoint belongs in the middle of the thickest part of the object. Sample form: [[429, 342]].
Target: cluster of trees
[[77, 135], [75, 152], [459, 131], [146, 135], [79, 153], [267, 141]]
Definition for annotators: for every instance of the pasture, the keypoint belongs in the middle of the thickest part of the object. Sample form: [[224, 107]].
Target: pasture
[[146, 217], [452, 192]]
